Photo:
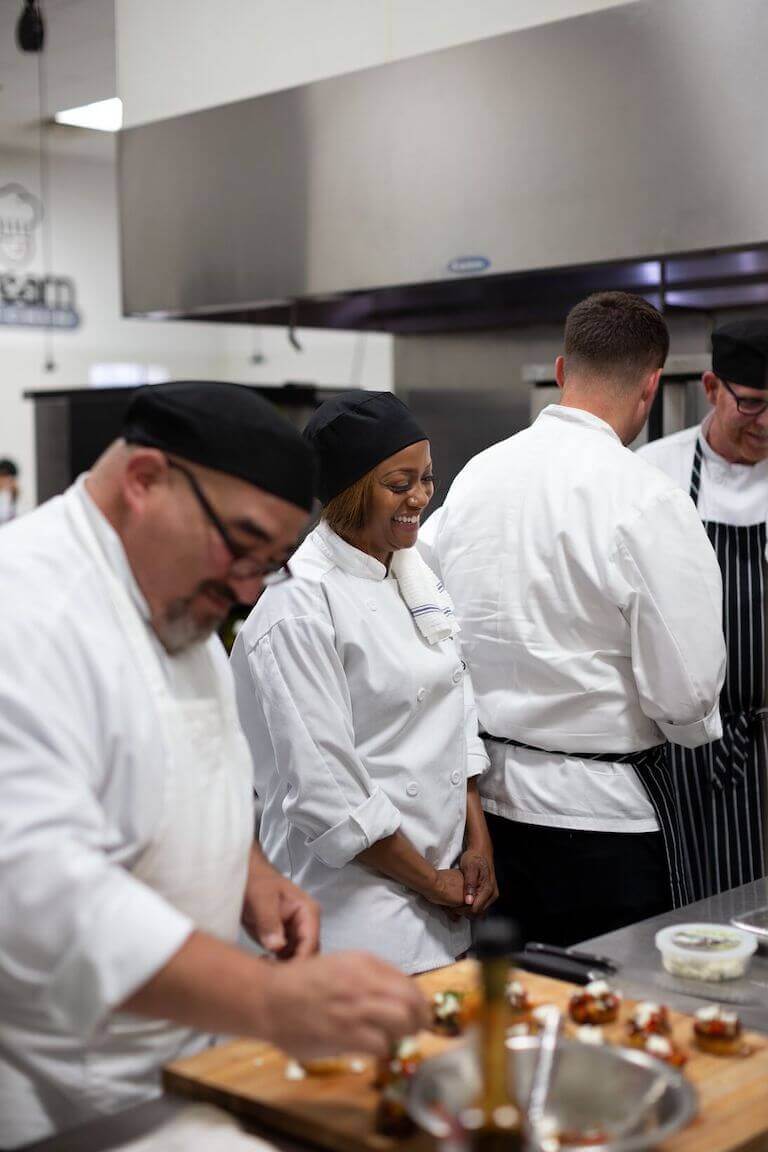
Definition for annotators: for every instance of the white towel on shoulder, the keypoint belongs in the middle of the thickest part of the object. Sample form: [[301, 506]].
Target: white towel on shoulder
[[424, 593]]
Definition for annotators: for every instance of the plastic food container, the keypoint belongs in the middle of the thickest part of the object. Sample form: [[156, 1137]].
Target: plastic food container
[[705, 951]]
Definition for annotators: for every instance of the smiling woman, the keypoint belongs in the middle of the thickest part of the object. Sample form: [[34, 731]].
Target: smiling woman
[[385, 506], [358, 508], [356, 703]]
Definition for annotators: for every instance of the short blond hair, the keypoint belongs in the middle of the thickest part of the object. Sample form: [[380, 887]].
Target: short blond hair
[[348, 512]]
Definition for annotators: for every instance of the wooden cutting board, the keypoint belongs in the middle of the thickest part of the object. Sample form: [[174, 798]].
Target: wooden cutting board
[[337, 1112]]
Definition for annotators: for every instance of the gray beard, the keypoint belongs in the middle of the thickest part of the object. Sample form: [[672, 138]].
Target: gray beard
[[179, 630]]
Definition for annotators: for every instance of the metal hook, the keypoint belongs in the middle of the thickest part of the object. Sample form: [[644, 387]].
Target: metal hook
[[292, 337]]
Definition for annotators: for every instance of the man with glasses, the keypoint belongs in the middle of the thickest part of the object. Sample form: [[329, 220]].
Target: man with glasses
[[127, 861], [723, 463]]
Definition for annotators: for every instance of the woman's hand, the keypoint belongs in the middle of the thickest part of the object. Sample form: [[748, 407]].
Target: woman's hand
[[396, 857], [480, 888], [476, 864], [447, 889]]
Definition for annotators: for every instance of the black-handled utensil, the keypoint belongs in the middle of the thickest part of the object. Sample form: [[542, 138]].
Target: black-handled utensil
[[558, 967], [589, 958]]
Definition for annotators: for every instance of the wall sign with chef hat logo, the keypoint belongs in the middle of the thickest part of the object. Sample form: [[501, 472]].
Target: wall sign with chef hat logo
[[28, 300], [20, 216]]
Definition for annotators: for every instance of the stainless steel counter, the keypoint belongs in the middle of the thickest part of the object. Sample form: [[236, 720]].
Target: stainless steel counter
[[632, 948]]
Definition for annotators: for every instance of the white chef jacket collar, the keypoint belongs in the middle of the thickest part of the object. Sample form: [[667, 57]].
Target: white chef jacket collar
[[346, 556], [111, 545], [579, 416]]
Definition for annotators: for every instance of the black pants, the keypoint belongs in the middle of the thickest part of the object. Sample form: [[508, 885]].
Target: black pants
[[563, 886]]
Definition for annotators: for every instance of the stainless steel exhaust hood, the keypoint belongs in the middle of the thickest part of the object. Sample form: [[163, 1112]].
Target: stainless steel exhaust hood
[[480, 186]]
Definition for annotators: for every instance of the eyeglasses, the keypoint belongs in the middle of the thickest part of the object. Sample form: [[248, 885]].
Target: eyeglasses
[[244, 565], [747, 405]]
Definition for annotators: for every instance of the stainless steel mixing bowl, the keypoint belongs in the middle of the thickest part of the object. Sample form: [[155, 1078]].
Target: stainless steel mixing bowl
[[636, 1100]]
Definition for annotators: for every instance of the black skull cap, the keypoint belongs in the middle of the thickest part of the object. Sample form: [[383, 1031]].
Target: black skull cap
[[227, 427], [740, 352], [354, 432]]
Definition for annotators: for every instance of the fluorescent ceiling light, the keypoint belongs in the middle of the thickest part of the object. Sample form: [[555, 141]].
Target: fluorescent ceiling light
[[104, 115]]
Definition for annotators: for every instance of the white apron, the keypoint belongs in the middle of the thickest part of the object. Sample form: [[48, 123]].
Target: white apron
[[197, 860]]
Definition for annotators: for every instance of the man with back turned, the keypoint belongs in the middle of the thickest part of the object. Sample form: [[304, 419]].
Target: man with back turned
[[589, 601]]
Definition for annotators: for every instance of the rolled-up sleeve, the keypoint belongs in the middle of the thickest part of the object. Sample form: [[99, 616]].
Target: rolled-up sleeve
[[78, 933], [674, 608], [300, 686]]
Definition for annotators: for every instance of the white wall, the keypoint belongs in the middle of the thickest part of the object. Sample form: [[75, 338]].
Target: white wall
[[85, 247], [177, 56]]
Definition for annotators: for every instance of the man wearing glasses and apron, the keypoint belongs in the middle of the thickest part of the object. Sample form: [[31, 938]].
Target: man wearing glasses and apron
[[723, 463]]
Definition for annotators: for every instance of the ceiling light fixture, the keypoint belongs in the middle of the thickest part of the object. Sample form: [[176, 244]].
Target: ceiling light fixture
[[103, 115]]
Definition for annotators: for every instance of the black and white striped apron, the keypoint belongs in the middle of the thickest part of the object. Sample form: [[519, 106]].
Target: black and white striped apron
[[720, 788], [653, 772]]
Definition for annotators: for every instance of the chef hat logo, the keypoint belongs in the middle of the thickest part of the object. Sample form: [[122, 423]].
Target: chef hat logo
[[20, 214]]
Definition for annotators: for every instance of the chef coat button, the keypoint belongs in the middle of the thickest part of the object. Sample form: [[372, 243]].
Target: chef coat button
[[455, 777], [412, 789], [421, 694], [458, 675], [372, 605]]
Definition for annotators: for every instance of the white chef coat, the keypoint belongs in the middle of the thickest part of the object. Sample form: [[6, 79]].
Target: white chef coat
[[93, 808], [590, 604], [357, 727], [729, 493]]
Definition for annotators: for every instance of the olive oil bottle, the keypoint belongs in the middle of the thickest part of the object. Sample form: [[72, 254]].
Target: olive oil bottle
[[496, 1123]]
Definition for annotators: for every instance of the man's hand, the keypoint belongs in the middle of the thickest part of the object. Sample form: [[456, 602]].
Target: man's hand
[[480, 889], [313, 1006], [277, 914], [347, 1002]]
